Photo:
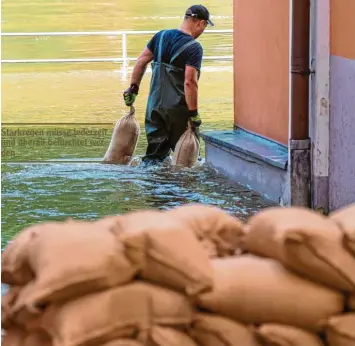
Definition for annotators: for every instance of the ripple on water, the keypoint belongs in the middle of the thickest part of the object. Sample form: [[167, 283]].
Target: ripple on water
[[39, 192]]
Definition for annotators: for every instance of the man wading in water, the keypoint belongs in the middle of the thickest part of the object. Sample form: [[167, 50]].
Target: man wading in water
[[173, 92]]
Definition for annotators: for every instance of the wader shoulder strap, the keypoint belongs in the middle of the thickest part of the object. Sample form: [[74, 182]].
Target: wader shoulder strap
[[160, 46], [181, 49]]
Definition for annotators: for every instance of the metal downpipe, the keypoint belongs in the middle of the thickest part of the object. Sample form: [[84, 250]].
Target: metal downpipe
[[299, 143]]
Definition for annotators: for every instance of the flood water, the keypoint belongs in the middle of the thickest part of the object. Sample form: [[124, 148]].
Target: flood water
[[87, 97]]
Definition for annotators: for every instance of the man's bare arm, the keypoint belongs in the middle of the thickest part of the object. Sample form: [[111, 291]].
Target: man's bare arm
[[191, 88], [141, 66]]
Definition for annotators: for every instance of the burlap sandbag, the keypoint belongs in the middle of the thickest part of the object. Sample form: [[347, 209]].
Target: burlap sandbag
[[250, 289], [215, 330], [124, 342], [164, 336], [186, 150], [38, 339], [74, 258], [14, 336], [283, 335], [351, 303], [30, 320], [304, 241], [98, 318], [168, 307], [209, 222], [124, 140], [15, 269], [210, 247], [166, 250], [345, 218], [18, 337], [340, 330], [107, 222], [7, 303]]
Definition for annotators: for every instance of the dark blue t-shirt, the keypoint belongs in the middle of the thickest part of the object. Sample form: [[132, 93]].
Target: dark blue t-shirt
[[173, 40]]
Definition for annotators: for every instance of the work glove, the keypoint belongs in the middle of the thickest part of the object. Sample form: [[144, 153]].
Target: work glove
[[130, 94], [195, 122]]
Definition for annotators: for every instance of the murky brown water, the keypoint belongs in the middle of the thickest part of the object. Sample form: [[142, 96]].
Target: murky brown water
[[91, 93]]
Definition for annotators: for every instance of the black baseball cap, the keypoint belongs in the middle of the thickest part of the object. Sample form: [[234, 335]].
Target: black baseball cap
[[199, 12]]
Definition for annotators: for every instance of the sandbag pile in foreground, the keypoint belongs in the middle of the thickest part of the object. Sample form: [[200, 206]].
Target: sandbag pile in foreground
[[191, 276]]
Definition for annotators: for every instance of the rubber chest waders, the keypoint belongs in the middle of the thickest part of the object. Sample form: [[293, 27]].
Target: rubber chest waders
[[167, 113]]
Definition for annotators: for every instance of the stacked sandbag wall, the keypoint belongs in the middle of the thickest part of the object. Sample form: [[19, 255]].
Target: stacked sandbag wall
[[193, 275]]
